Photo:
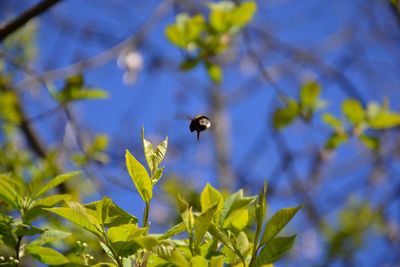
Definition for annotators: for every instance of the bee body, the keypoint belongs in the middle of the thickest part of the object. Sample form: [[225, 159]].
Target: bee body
[[199, 123]]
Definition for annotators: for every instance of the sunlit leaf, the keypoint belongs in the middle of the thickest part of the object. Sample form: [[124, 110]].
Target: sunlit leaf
[[274, 250], [139, 176], [353, 111], [284, 116], [201, 225], [332, 121], [55, 182], [47, 255], [385, 120], [8, 192], [309, 94], [49, 236], [211, 197], [369, 141], [175, 230], [78, 214], [277, 222], [214, 72], [198, 261], [335, 140]]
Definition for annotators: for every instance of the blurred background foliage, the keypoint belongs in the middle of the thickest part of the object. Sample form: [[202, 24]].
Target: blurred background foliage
[[304, 97]]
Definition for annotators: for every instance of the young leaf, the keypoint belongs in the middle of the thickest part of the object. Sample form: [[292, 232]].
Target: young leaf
[[333, 122], [54, 182], [110, 214], [385, 120], [198, 261], [51, 200], [243, 14], [214, 72], [219, 234], [217, 261], [8, 192], [234, 202], [174, 230], [139, 176], [309, 94], [237, 219], [211, 197], [274, 250], [277, 222], [159, 153], [335, 140], [148, 151], [285, 116], [78, 214], [353, 111], [49, 236], [201, 225], [242, 244], [369, 141], [47, 255]]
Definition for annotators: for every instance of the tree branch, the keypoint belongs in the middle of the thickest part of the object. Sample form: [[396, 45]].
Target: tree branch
[[22, 19]]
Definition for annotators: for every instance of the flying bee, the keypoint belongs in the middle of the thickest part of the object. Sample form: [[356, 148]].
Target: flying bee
[[199, 123]]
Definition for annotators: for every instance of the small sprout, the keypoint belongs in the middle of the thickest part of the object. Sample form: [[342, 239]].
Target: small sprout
[[78, 243], [2, 258], [91, 257], [84, 244], [11, 258], [16, 261]]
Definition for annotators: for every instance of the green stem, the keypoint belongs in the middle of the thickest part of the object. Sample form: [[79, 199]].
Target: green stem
[[146, 214], [17, 248], [255, 245]]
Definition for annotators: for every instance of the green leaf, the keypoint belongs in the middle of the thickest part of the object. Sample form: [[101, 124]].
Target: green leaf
[[148, 151], [214, 72], [274, 250], [189, 64], [198, 261], [109, 213], [127, 239], [55, 182], [157, 175], [385, 120], [49, 236], [159, 153], [277, 222], [220, 15], [243, 14], [74, 90], [174, 230], [51, 200], [220, 235], [335, 140], [211, 197], [78, 214], [139, 176], [237, 220], [6, 231], [369, 141], [201, 225], [309, 94], [234, 202], [332, 121], [284, 116], [47, 255], [8, 192], [23, 229], [353, 111], [186, 30], [217, 261], [242, 244]]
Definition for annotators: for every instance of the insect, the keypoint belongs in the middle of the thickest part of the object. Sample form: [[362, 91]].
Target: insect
[[199, 123]]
